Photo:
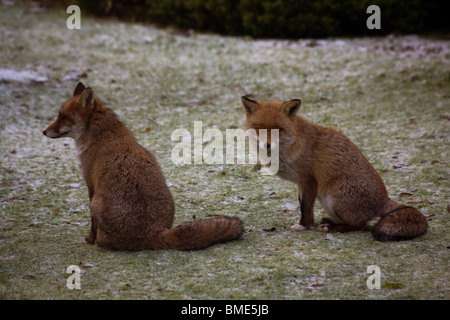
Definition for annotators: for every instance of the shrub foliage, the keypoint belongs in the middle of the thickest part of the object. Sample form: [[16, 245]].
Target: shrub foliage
[[278, 18]]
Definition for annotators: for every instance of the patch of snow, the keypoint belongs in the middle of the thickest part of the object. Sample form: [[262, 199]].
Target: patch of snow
[[20, 75]]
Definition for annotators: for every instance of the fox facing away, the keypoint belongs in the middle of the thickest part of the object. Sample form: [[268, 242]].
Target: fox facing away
[[326, 165], [131, 206]]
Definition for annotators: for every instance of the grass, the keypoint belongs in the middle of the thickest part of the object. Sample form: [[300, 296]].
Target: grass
[[390, 95]]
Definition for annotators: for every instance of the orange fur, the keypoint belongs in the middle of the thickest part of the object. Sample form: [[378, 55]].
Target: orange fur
[[326, 165], [131, 206]]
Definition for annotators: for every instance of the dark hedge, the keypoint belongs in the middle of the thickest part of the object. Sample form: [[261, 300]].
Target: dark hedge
[[279, 18]]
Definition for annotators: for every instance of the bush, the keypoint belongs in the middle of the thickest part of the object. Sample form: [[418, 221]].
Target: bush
[[278, 18]]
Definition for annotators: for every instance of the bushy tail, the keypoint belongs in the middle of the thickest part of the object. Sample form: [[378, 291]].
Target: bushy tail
[[203, 233], [402, 223]]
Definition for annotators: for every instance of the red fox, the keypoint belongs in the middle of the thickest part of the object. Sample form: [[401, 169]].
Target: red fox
[[131, 206], [326, 165]]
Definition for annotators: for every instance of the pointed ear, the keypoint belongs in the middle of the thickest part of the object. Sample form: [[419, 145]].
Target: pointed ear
[[87, 98], [250, 105], [79, 89], [291, 107]]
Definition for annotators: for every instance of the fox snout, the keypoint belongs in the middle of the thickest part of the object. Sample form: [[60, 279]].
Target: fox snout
[[51, 134], [56, 130], [264, 145], [268, 139]]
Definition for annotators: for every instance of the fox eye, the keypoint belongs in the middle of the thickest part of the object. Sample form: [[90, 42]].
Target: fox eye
[[63, 117]]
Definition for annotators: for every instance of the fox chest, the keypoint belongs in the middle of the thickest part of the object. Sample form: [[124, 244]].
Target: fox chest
[[288, 171]]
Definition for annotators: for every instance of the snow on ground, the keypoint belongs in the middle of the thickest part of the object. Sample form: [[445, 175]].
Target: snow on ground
[[390, 95]]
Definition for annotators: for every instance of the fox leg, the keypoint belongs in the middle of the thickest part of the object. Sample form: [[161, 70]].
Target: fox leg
[[106, 242], [306, 196], [327, 225], [96, 205], [93, 233]]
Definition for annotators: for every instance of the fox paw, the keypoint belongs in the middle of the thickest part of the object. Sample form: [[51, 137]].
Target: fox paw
[[298, 227], [324, 227], [88, 240]]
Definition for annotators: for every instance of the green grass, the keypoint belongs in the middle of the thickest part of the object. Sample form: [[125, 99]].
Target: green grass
[[390, 95]]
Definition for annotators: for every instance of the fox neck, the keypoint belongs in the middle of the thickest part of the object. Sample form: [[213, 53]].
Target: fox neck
[[294, 157], [297, 140], [101, 124]]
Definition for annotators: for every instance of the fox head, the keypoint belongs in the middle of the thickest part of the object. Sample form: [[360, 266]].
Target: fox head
[[73, 115], [271, 115]]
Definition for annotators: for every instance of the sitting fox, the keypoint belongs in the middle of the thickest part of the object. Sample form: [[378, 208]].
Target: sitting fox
[[326, 165], [131, 206]]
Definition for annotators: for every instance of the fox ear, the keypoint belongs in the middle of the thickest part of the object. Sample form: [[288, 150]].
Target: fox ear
[[250, 105], [79, 89], [87, 98], [291, 107]]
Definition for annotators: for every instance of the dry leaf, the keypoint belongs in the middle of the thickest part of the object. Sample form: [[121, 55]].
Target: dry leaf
[[85, 264], [394, 285]]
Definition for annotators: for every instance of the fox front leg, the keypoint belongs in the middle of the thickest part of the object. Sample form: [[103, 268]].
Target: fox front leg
[[297, 225], [306, 199], [96, 205], [93, 233]]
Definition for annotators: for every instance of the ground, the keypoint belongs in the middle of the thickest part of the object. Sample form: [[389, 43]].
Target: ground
[[390, 95]]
